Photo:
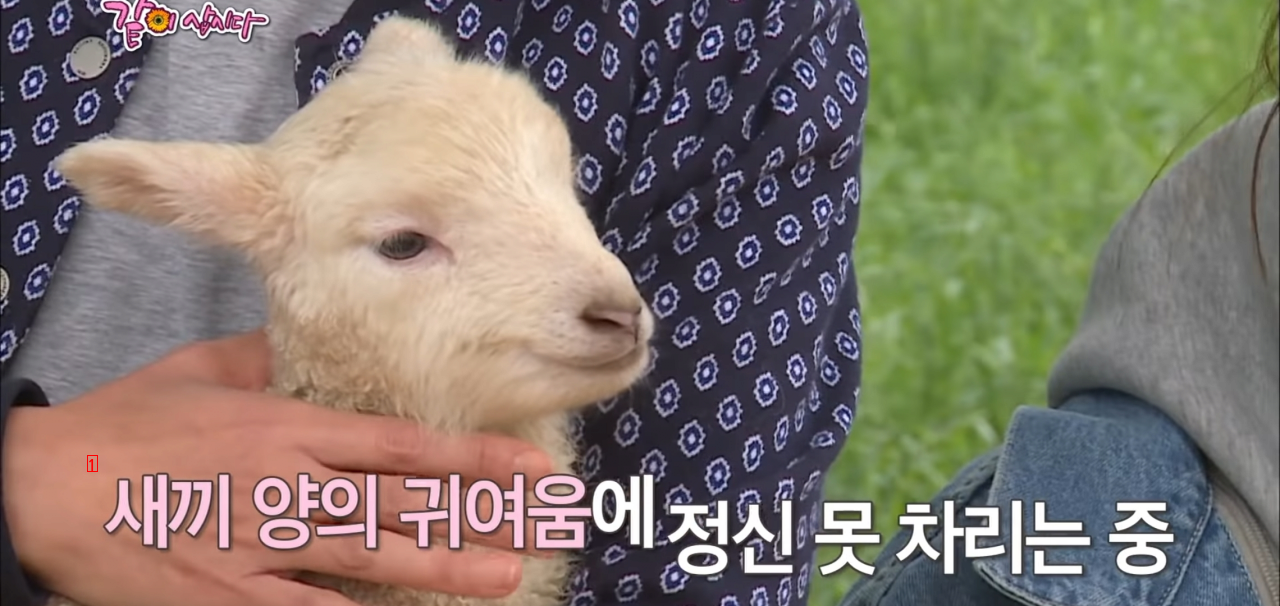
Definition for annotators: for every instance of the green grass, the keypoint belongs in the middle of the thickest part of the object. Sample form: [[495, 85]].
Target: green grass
[[1004, 139]]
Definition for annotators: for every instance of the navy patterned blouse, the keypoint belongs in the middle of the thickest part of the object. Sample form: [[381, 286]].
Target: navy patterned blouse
[[720, 145]]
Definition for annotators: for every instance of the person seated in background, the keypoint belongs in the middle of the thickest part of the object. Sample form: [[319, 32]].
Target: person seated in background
[[1157, 460]]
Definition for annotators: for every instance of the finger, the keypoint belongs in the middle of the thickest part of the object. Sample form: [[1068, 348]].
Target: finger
[[276, 591], [398, 561], [373, 444], [240, 361], [477, 508], [394, 499]]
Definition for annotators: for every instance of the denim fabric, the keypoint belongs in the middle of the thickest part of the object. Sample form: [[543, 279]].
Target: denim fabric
[[1079, 460]]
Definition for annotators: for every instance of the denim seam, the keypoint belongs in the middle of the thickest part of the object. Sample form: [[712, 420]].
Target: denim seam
[[1011, 592], [1189, 554], [885, 578], [1017, 594]]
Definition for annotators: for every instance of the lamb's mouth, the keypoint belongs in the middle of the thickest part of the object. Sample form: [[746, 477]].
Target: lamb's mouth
[[638, 356]]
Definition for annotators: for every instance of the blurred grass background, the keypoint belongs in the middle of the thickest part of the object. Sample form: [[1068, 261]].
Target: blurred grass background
[[1004, 138]]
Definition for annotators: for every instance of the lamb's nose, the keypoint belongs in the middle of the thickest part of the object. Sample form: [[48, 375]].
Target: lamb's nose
[[613, 319]]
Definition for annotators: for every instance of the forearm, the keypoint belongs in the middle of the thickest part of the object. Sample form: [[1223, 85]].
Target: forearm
[[16, 589]]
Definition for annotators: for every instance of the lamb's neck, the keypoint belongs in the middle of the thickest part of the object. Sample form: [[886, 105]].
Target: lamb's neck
[[348, 398], [333, 388], [334, 382], [549, 433]]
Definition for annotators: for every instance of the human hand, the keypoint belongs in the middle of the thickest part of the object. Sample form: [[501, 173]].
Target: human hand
[[201, 411]]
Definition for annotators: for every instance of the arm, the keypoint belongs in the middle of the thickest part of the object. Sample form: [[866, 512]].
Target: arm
[[746, 259], [15, 588]]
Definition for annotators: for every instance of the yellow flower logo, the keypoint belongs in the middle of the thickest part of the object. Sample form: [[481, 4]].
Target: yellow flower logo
[[158, 20]]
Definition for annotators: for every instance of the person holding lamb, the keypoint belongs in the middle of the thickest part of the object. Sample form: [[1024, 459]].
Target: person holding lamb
[[705, 162]]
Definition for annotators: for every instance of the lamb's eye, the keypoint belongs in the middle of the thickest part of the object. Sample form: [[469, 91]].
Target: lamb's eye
[[403, 245]]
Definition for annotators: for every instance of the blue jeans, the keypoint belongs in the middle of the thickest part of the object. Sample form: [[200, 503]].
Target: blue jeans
[[1080, 460]]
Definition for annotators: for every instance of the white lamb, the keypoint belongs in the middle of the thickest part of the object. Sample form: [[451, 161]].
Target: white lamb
[[424, 250]]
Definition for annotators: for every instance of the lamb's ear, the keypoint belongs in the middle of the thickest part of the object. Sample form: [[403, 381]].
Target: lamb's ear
[[219, 192], [404, 40]]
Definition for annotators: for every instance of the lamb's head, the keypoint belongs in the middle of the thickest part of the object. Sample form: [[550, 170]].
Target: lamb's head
[[417, 226]]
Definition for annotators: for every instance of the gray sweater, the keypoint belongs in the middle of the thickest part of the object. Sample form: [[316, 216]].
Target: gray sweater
[[1183, 314]]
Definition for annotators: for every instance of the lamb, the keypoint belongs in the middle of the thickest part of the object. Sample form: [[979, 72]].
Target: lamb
[[424, 252]]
